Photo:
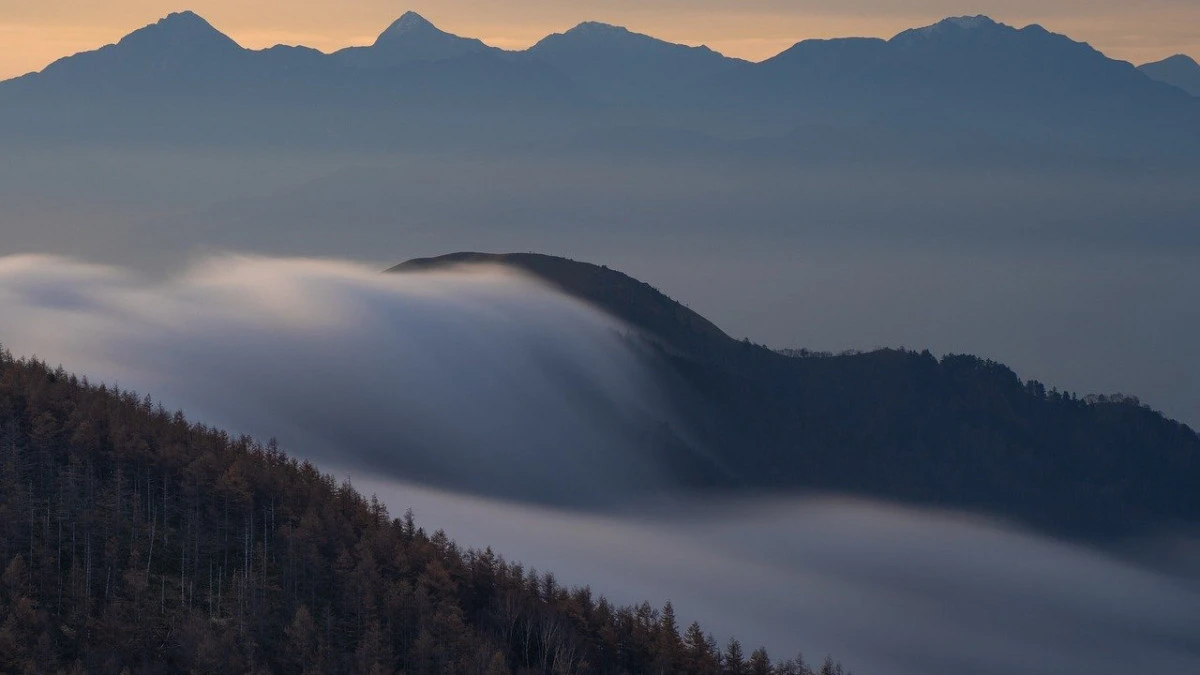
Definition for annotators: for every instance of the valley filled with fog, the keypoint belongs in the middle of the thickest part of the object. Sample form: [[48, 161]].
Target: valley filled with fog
[[1083, 277], [883, 349], [510, 394]]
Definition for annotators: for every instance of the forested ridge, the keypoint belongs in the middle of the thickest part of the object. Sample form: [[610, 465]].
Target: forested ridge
[[133, 540], [958, 432]]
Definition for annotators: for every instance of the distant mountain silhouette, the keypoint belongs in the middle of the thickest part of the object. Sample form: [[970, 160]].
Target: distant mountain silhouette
[[411, 38], [178, 52], [959, 432], [182, 81], [965, 72], [1180, 71], [617, 63]]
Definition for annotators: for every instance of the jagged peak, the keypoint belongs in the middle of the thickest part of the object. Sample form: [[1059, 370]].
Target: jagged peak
[[179, 28], [185, 21], [600, 31], [598, 28], [970, 22], [409, 23], [951, 25]]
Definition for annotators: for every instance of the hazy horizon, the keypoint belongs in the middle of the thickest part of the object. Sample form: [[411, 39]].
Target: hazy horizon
[[36, 35]]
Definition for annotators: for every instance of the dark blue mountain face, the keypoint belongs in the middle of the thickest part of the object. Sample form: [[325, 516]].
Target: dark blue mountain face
[[976, 56], [411, 38], [182, 79], [1178, 71], [176, 54], [620, 65], [968, 71], [183, 56]]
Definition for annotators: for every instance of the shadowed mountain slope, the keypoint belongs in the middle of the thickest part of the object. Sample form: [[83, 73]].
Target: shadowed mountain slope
[[179, 52], [188, 550], [1179, 71], [956, 432], [411, 38], [634, 302], [182, 81], [961, 73], [619, 64]]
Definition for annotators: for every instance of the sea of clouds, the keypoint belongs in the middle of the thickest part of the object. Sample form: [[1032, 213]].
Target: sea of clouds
[[513, 416]]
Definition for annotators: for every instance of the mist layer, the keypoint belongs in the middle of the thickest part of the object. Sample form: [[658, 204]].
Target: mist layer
[[458, 393], [483, 381], [887, 590]]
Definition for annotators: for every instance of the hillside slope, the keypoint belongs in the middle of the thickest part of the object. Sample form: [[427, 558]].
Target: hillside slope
[[635, 302], [1179, 71], [956, 432], [134, 541], [623, 66]]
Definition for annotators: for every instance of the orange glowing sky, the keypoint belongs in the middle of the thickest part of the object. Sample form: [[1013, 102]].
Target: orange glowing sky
[[35, 32]]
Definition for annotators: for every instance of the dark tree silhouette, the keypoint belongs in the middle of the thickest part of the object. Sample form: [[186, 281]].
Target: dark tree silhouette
[[134, 541]]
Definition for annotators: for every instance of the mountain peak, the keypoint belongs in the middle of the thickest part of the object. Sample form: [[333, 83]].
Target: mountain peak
[[969, 22], [409, 23], [411, 38], [184, 30], [1180, 71], [597, 28], [1181, 59], [184, 22], [955, 25], [184, 17]]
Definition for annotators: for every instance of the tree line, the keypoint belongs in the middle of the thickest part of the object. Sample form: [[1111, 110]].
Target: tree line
[[135, 541]]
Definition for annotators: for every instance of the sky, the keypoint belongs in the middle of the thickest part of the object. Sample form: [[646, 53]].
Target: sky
[[34, 33]]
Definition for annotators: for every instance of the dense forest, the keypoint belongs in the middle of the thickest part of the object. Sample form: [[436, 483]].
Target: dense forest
[[957, 432], [135, 541]]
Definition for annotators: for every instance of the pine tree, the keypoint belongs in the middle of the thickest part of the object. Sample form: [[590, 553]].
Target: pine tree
[[733, 662], [760, 662]]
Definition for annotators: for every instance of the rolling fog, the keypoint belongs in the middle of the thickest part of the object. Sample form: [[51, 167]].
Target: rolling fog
[[1079, 271], [456, 393], [885, 589], [329, 356]]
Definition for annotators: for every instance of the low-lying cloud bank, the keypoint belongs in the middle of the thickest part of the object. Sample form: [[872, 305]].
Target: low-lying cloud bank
[[495, 386], [482, 381], [885, 589]]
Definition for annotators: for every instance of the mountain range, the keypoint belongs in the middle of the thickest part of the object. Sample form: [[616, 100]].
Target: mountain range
[[181, 80], [958, 432]]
